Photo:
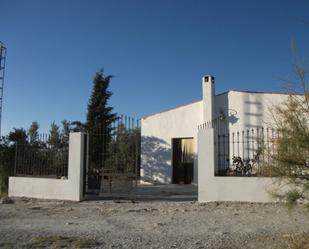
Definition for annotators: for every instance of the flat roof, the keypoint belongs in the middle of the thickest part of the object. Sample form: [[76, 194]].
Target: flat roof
[[242, 91], [258, 92]]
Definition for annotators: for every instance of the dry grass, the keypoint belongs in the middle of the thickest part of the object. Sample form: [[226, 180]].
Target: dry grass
[[8, 245], [59, 242], [294, 242]]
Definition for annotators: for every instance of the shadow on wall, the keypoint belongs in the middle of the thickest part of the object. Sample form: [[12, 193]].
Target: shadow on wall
[[156, 155], [254, 111]]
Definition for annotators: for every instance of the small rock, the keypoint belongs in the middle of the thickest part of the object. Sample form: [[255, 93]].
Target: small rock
[[35, 208], [286, 235], [159, 224]]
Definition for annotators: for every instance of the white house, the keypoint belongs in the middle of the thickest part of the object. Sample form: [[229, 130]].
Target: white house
[[169, 138]]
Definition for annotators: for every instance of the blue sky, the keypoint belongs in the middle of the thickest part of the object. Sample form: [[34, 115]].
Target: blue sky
[[157, 50]]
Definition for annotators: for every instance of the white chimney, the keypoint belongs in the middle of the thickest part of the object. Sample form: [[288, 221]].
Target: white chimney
[[208, 82]]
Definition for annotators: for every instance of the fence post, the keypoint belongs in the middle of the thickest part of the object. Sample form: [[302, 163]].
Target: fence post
[[206, 161], [76, 164]]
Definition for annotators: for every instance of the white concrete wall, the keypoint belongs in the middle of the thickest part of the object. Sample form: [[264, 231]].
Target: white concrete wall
[[243, 110], [69, 189], [245, 113], [156, 143], [253, 109], [215, 188]]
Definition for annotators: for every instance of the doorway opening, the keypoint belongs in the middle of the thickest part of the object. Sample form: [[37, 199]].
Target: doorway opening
[[182, 160]]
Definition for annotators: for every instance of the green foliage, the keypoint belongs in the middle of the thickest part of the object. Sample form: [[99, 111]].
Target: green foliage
[[100, 117], [33, 132], [123, 150], [290, 161], [293, 196], [65, 127], [65, 133], [297, 241], [7, 153], [100, 114], [77, 126], [17, 135], [59, 242], [54, 135]]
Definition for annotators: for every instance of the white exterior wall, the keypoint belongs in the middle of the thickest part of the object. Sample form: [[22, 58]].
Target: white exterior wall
[[227, 188], [44, 188], [156, 146], [158, 130], [243, 110], [253, 109]]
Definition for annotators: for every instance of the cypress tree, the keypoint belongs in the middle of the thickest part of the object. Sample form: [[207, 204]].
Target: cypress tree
[[100, 115]]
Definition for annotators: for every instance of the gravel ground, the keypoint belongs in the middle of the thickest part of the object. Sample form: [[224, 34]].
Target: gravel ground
[[154, 224]]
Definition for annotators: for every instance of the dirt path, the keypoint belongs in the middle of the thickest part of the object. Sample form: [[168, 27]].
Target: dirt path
[[153, 224]]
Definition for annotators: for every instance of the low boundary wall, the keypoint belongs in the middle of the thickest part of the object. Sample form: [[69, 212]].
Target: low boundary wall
[[61, 189], [227, 188]]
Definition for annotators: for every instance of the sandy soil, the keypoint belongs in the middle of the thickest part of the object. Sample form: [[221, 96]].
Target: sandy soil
[[155, 224]]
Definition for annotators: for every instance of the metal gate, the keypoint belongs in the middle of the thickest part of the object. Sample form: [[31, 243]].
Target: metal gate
[[112, 159]]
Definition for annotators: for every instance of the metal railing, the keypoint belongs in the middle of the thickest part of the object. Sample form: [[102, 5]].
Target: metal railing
[[113, 156], [243, 152], [42, 156]]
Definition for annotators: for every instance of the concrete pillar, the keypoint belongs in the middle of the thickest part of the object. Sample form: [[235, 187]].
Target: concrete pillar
[[208, 82], [206, 161], [76, 164]]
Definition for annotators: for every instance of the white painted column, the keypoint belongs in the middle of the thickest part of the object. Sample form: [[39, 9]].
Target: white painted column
[[76, 164], [206, 161]]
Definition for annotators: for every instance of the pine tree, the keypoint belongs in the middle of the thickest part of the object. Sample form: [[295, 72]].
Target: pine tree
[[33, 132], [54, 135], [100, 117], [18, 136], [100, 114], [65, 133]]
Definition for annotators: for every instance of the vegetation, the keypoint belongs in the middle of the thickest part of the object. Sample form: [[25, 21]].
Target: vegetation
[[33, 131], [115, 145], [100, 118], [45, 150], [299, 241], [124, 150], [100, 114], [54, 242], [291, 158]]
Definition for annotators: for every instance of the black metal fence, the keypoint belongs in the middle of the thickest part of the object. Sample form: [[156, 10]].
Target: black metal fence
[[242, 152], [42, 156], [246, 152], [113, 156]]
